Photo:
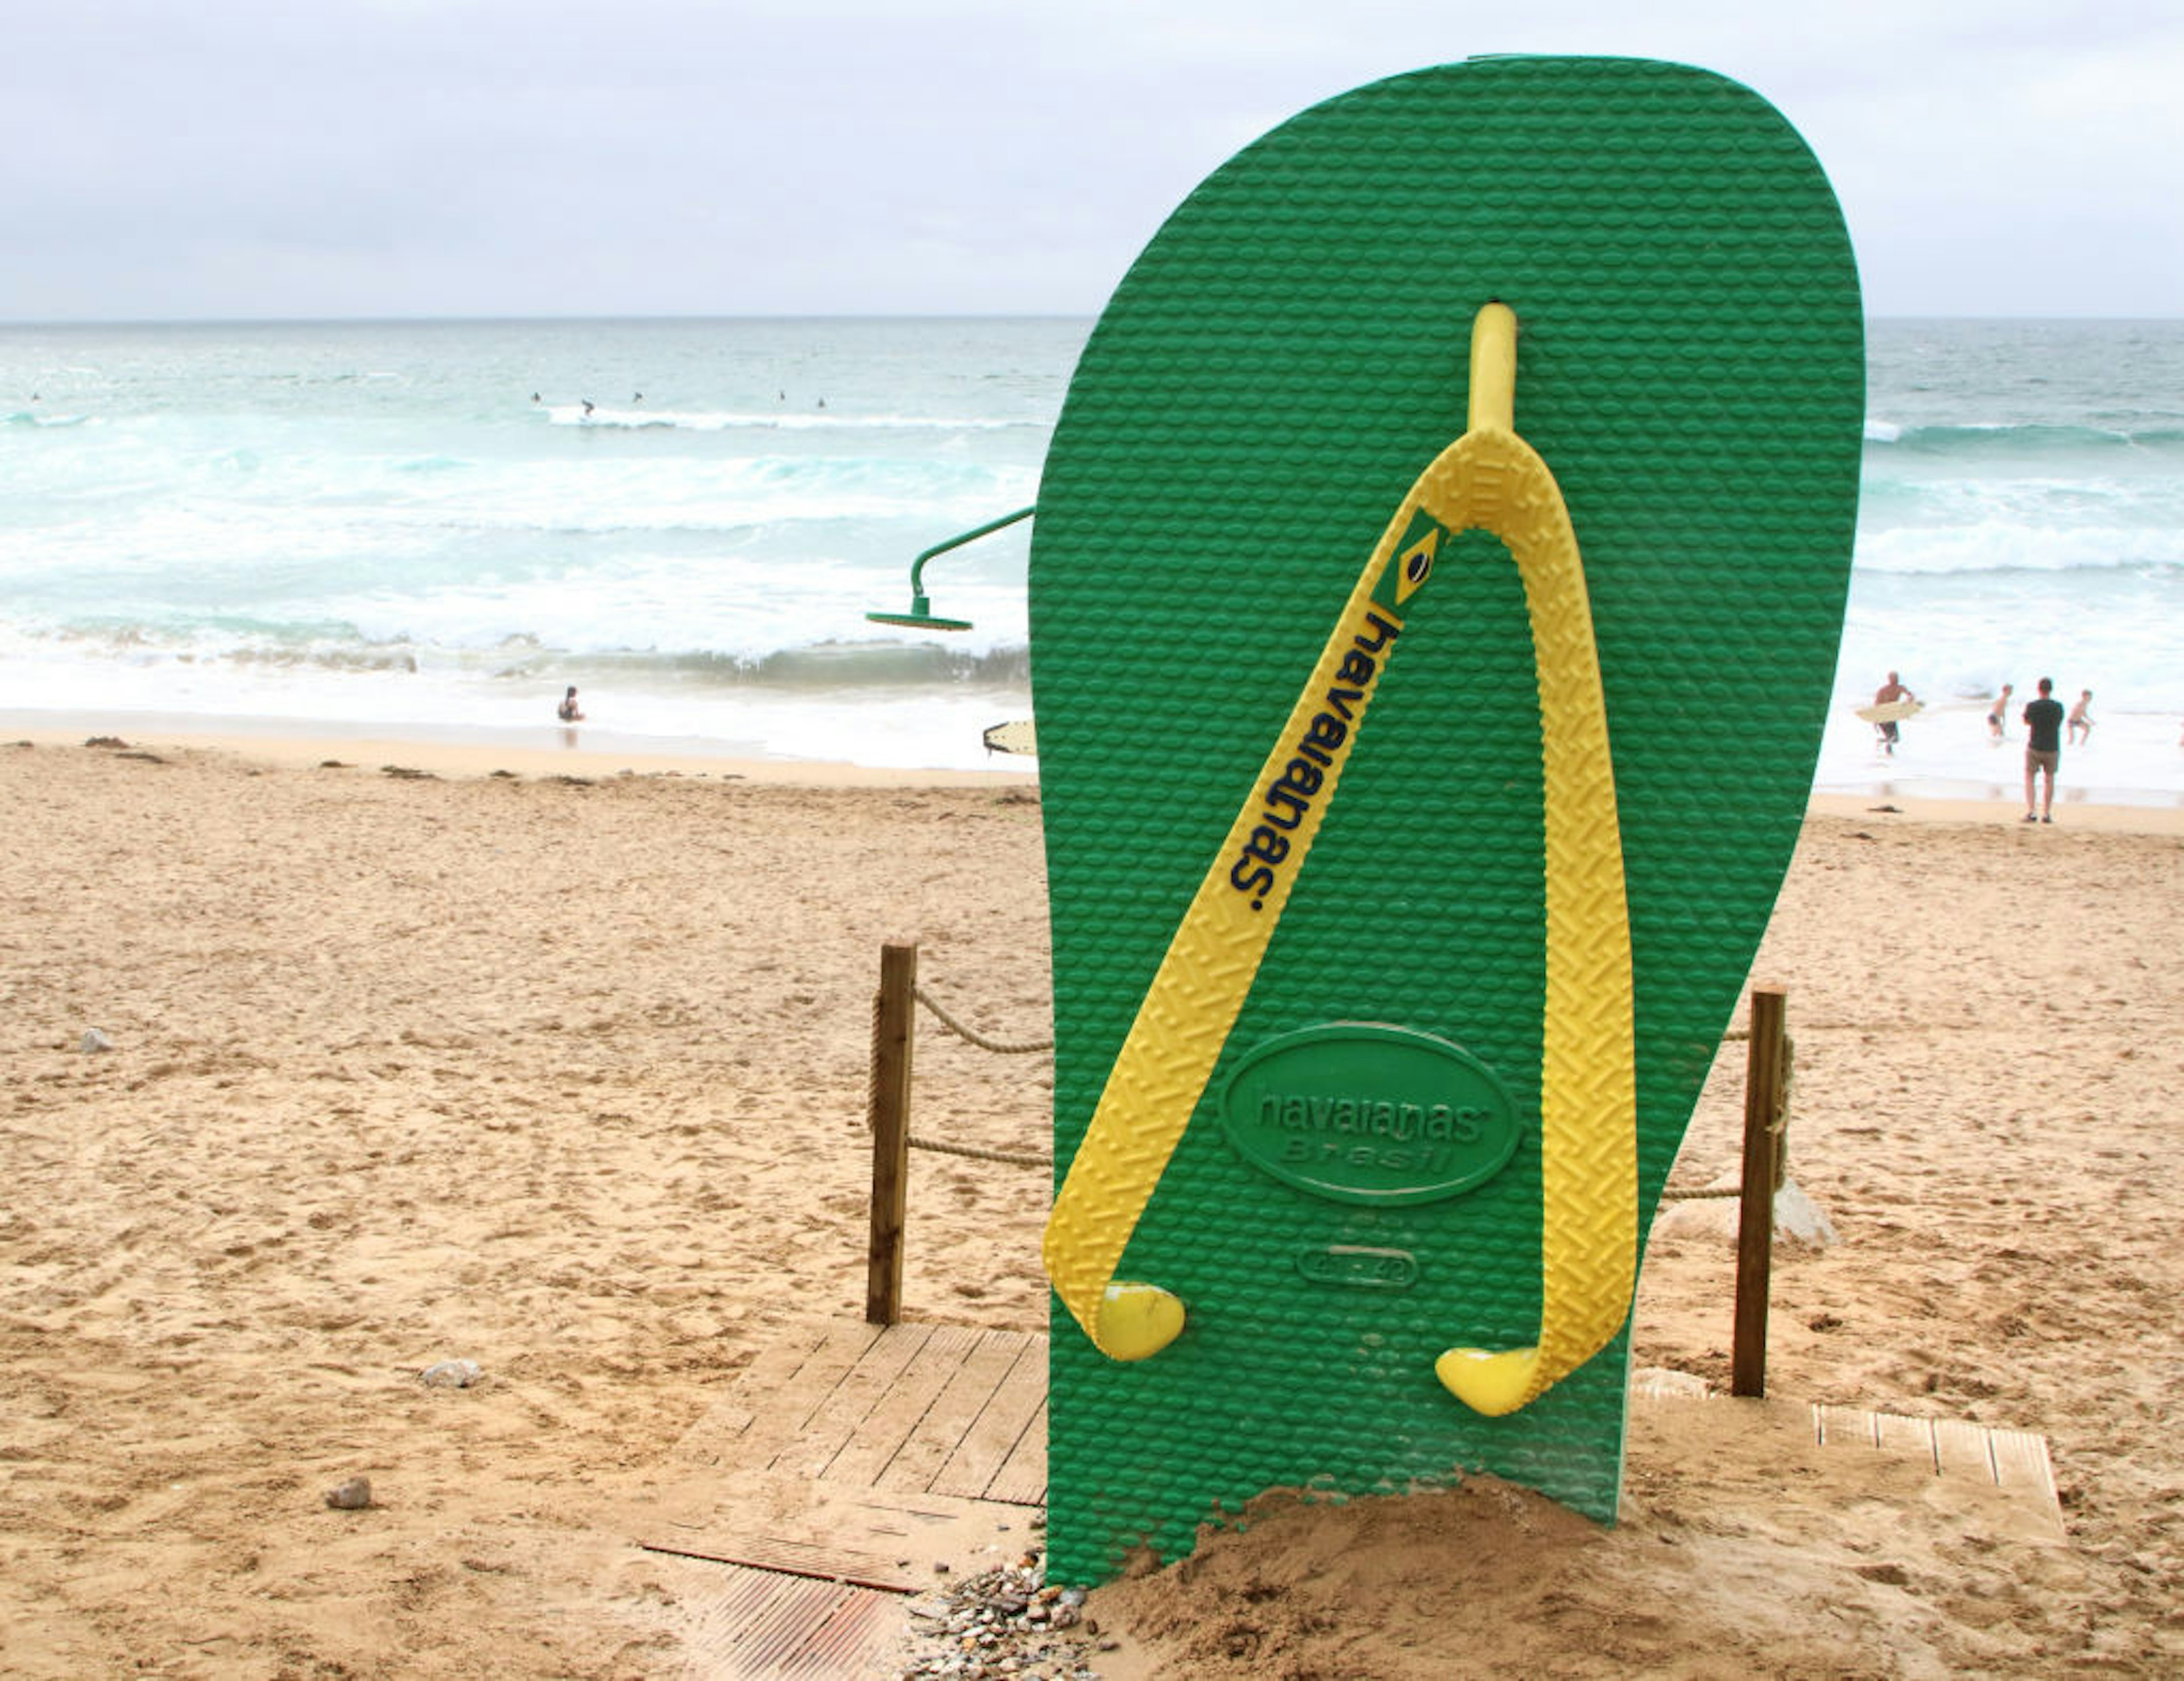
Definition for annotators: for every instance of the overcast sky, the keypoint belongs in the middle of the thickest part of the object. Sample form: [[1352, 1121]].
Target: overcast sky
[[248, 158]]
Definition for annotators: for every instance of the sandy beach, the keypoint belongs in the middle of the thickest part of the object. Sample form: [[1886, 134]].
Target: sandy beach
[[558, 1064]]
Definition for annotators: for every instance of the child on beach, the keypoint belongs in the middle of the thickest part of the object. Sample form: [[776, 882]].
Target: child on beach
[[568, 711], [2001, 711], [2080, 726]]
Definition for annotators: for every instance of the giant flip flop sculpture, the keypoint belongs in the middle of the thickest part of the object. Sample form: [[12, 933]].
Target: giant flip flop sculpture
[[1389, 958]]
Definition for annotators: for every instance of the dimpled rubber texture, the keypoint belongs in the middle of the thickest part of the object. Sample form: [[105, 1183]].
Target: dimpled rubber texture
[[1265, 385]]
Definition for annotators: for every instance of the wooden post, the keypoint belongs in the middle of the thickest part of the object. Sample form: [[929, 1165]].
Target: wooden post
[[893, 1018], [1755, 1227]]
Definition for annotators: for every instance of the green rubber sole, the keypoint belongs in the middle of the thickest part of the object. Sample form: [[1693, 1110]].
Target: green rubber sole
[[1267, 382]]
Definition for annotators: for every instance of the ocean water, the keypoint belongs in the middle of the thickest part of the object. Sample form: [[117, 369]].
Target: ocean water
[[436, 525], [2021, 515], [423, 527]]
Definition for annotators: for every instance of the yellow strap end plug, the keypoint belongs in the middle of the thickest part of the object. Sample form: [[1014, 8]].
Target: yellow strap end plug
[[1495, 1384], [1137, 1320]]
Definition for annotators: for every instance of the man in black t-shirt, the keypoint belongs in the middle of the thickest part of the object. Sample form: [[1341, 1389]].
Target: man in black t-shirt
[[2043, 746]]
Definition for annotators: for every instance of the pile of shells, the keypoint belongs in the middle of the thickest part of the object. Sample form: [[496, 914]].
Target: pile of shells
[[1003, 1622]]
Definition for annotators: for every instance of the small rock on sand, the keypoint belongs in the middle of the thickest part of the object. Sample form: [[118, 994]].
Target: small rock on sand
[[353, 1495]]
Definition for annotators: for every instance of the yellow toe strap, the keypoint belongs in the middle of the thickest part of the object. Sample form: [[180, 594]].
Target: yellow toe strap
[[1487, 479]]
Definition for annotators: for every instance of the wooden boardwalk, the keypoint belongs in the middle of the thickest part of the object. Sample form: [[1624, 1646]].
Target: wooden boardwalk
[[846, 1461], [2015, 1462]]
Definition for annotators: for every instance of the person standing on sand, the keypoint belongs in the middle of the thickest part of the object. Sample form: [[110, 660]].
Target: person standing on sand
[[569, 711], [1887, 695], [1994, 719], [2081, 727], [2043, 747]]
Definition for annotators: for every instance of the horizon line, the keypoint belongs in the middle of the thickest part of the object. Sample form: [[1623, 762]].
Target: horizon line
[[11, 323]]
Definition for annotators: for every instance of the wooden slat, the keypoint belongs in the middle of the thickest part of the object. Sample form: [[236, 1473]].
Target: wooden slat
[[829, 1426], [753, 1625], [1963, 1450], [1838, 1425], [1022, 1479], [786, 1555], [2015, 1460], [865, 1535], [852, 1460], [881, 1437], [2021, 1463], [782, 1418], [925, 1453], [994, 1434], [723, 1606], [1909, 1439], [759, 1381], [855, 1640]]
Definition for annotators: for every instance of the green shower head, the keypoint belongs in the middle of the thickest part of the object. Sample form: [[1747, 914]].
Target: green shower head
[[921, 615]]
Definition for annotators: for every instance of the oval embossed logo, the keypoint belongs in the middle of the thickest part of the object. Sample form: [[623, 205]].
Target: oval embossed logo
[[1360, 1112], [1357, 1267]]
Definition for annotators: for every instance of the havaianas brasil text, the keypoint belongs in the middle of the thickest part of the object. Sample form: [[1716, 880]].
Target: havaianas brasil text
[[419, 527]]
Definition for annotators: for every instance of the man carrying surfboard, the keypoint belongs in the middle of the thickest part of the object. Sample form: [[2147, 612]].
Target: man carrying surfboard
[[1888, 695]]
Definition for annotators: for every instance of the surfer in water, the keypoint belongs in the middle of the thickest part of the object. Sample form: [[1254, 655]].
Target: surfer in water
[[569, 711], [1886, 696]]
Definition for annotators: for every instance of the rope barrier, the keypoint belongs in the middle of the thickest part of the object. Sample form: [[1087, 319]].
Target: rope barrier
[[977, 1038], [1011, 1158], [874, 1072]]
